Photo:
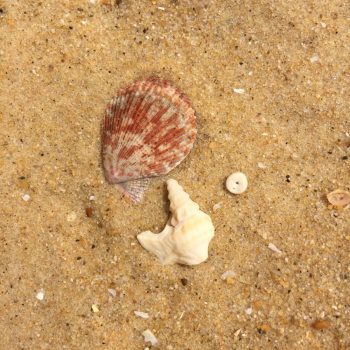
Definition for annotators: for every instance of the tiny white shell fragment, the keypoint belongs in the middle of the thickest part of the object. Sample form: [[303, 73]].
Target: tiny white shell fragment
[[95, 308], [236, 334], [239, 91], [40, 295], [315, 58], [26, 197], [262, 165], [217, 206], [228, 274], [249, 311], [112, 292], [141, 314], [274, 248], [149, 337], [237, 183]]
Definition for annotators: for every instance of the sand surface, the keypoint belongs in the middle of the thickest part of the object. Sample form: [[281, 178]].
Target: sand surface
[[60, 64]]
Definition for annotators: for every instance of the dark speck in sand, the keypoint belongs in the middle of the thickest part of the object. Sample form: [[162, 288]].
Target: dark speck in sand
[[184, 281]]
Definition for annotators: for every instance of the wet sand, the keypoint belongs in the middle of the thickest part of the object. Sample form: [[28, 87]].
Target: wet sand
[[60, 64]]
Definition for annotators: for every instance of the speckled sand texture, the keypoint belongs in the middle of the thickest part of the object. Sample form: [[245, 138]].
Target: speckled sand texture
[[270, 83]]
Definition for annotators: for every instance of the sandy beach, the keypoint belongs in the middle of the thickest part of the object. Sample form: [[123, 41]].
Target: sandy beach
[[269, 81]]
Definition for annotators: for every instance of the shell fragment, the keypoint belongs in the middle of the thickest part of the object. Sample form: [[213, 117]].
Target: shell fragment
[[237, 183]]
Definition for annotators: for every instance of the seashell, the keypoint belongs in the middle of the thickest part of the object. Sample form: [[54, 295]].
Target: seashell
[[149, 337], [237, 183], [186, 236], [148, 129], [339, 198]]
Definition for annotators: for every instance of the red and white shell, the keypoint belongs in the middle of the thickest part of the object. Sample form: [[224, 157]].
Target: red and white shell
[[148, 129]]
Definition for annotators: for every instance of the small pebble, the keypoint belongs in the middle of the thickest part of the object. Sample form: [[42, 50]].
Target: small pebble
[[239, 91], [149, 337], [257, 305], [26, 197], [237, 183], [274, 248], [95, 308], [92, 198], [321, 324], [141, 314], [230, 280], [40, 295], [263, 329], [184, 281], [89, 211]]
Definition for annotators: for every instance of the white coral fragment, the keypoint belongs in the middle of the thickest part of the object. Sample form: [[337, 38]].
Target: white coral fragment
[[186, 237]]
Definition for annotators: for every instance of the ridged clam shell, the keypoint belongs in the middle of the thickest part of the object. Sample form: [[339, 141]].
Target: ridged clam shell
[[147, 130]]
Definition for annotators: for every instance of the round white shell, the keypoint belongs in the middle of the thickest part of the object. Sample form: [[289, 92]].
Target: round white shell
[[237, 183]]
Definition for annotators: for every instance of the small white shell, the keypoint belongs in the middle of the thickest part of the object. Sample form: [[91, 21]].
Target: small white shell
[[339, 198], [141, 314], [40, 295], [149, 337], [228, 274], [237, 183], [186, 236]]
